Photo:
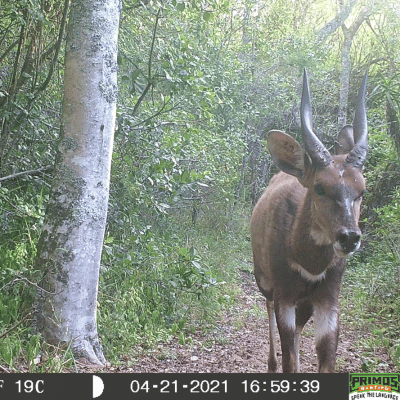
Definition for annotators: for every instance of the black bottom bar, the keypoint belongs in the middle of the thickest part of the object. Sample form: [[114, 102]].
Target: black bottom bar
[[172, 386]]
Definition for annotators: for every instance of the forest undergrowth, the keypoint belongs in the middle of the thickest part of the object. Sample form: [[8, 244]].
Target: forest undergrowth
[[168, 284]]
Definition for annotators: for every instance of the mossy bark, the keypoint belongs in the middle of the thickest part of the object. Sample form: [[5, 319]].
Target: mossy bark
[[70, 246]]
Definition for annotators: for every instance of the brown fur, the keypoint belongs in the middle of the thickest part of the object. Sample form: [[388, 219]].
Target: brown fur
[[293, 233], [303, 227]]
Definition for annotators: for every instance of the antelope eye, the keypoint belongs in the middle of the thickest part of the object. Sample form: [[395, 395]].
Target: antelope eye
[[319, 190], [360, 196]]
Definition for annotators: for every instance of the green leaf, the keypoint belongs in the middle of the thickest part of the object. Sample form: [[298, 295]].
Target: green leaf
[[155, 315], [180, 7], [125, 80], [196, 264], [182, 339], [135, 74], [207, 15], [174, 328]]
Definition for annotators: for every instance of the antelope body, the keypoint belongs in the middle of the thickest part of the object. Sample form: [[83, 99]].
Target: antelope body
[[302, 229]]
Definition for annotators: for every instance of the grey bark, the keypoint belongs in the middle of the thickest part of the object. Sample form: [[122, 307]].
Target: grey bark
[[70, 246], [336, 22]]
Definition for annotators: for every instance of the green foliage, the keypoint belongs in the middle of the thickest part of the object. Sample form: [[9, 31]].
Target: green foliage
[[28, 130], [387, 89], [371, 287], [389, 217], [150, 289], [31, 35], [371, 296], [16, 298]]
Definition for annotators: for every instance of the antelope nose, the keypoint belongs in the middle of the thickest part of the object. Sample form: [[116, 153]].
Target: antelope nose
[[349, 240]]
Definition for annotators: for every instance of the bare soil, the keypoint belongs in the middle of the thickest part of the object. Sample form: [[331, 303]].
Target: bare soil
[[239, 343]]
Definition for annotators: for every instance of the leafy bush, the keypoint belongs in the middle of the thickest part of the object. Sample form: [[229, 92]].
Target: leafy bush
[[149, 289]]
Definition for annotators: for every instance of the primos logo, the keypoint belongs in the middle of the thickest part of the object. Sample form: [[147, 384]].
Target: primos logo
[[374, 386]]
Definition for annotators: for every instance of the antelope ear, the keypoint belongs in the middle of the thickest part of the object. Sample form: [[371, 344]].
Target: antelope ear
[[287, 154], [345, 140]]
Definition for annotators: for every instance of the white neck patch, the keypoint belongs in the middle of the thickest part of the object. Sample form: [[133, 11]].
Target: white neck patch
[[306, 275]]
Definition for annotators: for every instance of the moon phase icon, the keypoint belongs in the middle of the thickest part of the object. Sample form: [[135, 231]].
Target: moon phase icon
[[98, 386]]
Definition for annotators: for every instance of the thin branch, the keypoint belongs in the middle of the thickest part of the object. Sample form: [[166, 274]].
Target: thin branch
[[58, 47], [336, 22], [32, 172], [161, 111], [15, 70], [17, 325], [142, 96], [8, 50], [152, 41], [149, 77], [25, 280], [4, 370], [12, 87], [131, 61]]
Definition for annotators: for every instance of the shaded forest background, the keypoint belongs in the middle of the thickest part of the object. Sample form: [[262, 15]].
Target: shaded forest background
[[200, 83]]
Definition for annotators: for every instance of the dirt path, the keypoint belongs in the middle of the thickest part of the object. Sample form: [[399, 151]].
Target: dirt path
[[240, 344]]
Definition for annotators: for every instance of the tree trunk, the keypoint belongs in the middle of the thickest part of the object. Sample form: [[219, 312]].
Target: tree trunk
[[70, 246], [335, 23], [345, 77], [349, 34]]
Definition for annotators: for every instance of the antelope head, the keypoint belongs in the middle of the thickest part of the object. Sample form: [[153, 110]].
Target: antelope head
[[335, 184]]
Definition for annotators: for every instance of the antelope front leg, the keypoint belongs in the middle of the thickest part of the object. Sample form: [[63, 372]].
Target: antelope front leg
[[326, 320], [286, 321]]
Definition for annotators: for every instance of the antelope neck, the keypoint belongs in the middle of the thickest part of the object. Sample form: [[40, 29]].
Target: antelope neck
[[305, 251]]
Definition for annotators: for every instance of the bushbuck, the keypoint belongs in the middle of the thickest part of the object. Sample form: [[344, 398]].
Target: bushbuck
[[303, 227]]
